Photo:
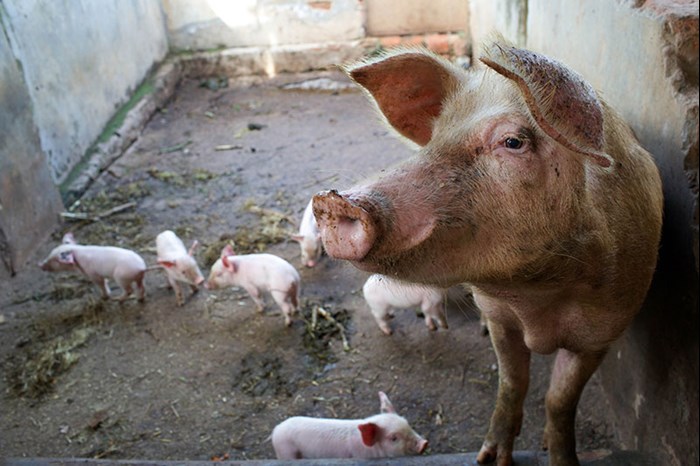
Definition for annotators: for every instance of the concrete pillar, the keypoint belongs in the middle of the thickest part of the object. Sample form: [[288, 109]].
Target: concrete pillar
[[29, 201]]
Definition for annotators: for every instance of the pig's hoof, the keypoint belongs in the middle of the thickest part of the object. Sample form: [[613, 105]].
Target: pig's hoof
[[487, 454]]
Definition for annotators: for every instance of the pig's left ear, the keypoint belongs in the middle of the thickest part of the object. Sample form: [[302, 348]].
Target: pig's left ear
[[230, 265], [410, 88], [564, 105], [370, 433], [167, 264]]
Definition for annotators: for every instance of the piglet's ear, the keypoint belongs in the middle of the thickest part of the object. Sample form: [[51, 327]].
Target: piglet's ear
[[66, 257], [564, 105], [409, 88], [167, 264], [370, 433], [193, 248], [227, 251], [68, 238], [385, 405], [230, 265]]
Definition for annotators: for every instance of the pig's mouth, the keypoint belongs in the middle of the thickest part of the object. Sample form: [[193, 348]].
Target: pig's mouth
[[364, 229]]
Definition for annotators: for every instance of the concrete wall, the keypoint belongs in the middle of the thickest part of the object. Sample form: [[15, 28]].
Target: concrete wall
[[65, 68], [398, 17], [81, 60], [645, 61], [215, 24]]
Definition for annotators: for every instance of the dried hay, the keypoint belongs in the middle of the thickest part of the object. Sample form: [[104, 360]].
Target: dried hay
[[273, 227], [320, 332], [33, 372]]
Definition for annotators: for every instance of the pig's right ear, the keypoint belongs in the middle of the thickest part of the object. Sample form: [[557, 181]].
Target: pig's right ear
[[410, 88], [297, 238], [370, 433]]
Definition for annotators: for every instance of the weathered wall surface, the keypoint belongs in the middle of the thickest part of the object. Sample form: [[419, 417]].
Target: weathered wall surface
[[29, 202], [81, 60], [216, 24], [65, 69], [645, 61], [398, 17]]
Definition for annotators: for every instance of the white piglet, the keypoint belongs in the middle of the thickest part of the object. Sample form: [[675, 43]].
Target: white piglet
[[384, 294], [179, 263], [379, 436], [99, 264], [309, 238], [258, 273]]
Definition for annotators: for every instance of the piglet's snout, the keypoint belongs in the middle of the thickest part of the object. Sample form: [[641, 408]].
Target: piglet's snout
[[348, 231]]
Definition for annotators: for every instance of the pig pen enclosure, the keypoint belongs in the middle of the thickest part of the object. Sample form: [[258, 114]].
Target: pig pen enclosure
[[236, 162]]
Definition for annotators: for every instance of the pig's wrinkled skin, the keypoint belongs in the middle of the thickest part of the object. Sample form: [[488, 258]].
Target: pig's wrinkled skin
[[528, 187], [99, 264], [309, 238], [179, 263], [258, 273], [383, 294], [379, 436]]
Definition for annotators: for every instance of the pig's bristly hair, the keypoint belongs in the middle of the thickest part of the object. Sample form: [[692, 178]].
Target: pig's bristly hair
[[563, 104]]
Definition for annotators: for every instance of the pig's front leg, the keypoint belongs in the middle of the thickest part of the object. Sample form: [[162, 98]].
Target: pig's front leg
[[103, 285], [570, 373], [178, 291], [254, 293], [513, 379]]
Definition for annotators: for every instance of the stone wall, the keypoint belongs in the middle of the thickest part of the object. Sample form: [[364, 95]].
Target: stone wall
[[644, 59]]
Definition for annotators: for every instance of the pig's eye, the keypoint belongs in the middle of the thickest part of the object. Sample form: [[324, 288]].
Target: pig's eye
[[513, 143], [394, 438]]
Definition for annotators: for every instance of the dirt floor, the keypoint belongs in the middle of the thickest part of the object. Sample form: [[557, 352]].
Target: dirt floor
[[237, 162]]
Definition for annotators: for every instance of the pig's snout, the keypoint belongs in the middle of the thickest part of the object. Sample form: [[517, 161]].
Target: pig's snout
[[348, 231], [422, 445]]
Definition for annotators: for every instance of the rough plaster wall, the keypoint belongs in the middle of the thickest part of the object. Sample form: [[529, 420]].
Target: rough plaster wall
[[643, 56], [25, 217], [214, 24], [398, 17], [82, 59]]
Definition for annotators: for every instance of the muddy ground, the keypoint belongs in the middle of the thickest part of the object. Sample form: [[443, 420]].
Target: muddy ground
[[238, 163]]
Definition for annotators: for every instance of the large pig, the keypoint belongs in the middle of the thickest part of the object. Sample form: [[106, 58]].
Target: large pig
[[99, 264], [179, 263], [383, 294], [527, 186], [258, 273], [309, 238], [379, 436]]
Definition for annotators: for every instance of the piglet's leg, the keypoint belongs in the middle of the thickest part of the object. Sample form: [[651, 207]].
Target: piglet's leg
[[256, 297], [103, 285], [179, 298], [126, 286], [513, 379], [570, 373]]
